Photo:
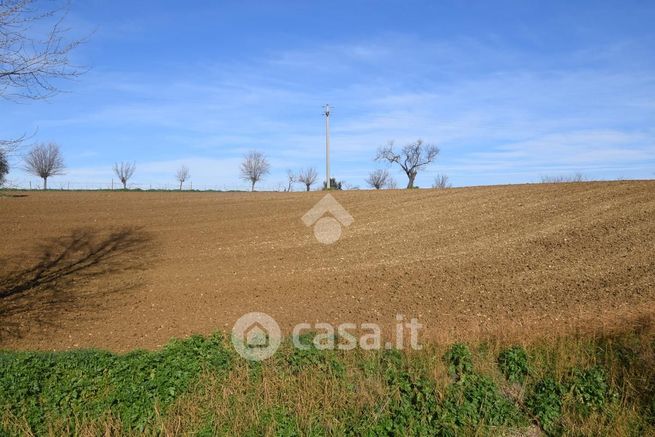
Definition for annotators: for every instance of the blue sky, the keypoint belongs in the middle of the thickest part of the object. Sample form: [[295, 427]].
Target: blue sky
[[509, 90]]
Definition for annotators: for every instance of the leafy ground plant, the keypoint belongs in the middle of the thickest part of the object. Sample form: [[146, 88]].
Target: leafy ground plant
[[459, 361], [589, 389], [43, 387], [513, 363], [545, 403]]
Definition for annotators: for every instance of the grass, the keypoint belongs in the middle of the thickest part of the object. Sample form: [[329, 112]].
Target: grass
[[601, 385]]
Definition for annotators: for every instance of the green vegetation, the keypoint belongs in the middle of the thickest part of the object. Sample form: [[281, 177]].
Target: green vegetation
[[545, 403], [513, 363], [47, 388], [459, 361], [199, 386]]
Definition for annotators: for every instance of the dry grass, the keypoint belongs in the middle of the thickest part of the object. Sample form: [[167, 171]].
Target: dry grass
[[247, 401], [345, 388]]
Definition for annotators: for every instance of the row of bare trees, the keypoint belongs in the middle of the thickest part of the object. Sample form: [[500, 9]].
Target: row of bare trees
[[35, 55], [46, 160], [307, 177], [412, 159], [255, 166], [125, 170]]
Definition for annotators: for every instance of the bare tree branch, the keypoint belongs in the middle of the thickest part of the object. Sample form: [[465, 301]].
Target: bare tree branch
[[31, 59], [34, 53], [45, 160], [124, 171], [254, 167]]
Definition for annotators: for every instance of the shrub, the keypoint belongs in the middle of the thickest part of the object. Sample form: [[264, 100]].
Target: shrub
[[476, 401], [589, 389], [415, 408], [513, 363], [459, 361], [545, 403]]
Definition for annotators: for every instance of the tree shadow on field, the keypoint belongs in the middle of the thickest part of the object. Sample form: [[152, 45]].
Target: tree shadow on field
[[68, 274]]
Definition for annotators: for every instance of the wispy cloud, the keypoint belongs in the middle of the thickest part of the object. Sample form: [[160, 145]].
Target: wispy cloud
[[498, 113]]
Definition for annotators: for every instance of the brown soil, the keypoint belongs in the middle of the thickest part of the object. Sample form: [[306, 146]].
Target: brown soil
[[131, 270]]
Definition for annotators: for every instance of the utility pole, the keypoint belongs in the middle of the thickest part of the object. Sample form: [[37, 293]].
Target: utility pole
[[327, 146]]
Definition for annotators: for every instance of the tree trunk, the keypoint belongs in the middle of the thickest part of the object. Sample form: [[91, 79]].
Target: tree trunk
[[308, 186], [411, 177], [180, 185], [252, 187], [125, 185], [45, 183]]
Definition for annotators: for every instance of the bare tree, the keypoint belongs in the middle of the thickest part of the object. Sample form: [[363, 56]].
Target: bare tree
[[45, 160], [124, 171], [378, 179], [4, 167], [412, 158], [391, 183], [308, 177], [441, 182], [292, 178], [563, 179], [254, 167], [182, 175]]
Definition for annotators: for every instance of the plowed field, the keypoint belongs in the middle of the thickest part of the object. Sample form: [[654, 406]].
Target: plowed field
[[124, 270]]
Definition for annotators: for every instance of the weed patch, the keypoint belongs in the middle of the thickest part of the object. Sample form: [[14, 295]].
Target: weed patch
[[459, 361], [194, 386], [545, 403], [41, 387], [513, 363]]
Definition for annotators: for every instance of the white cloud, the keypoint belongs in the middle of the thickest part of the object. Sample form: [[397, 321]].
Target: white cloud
[[497, 114]]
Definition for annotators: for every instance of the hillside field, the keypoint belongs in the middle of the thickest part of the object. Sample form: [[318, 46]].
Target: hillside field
[[125, 270], [537, 303]]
